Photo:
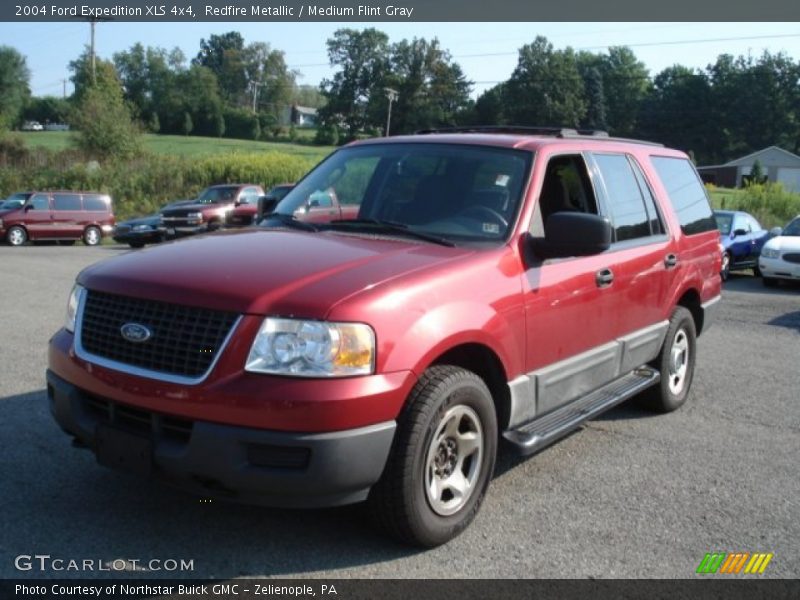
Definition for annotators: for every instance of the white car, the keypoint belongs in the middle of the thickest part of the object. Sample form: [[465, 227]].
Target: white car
[[780, 256], [32, 126]]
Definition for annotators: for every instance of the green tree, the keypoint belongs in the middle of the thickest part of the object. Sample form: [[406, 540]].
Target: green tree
[[676, 113], [268, 78], [626, 82], [490, 107], [101, 115], [433, 90], [224, 55], [545, 87], [14, 90], [188, 125], [356, 90], [596, 101], [47, 109]]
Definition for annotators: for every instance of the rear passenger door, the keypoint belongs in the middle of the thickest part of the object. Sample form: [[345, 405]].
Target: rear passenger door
[[642, 258], [68, 215]]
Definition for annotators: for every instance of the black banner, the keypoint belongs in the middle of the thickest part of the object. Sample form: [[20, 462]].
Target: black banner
[[350, 589], [398, 10]]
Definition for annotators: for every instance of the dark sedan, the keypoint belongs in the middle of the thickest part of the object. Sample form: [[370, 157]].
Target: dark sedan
[[138, 232]]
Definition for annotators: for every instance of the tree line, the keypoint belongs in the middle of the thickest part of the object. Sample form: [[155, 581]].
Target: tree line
[[732, 107]]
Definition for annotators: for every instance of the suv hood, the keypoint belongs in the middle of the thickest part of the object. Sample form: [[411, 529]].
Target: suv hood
[[264, 271]]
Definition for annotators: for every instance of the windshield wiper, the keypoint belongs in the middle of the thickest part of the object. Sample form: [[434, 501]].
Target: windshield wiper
[[290, 221], [392, 227]]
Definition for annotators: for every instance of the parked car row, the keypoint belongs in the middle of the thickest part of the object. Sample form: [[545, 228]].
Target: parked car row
[[773, 255]]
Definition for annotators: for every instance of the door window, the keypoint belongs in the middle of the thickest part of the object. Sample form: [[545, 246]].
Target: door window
[[625, 202], [39, 202], [66, 202]]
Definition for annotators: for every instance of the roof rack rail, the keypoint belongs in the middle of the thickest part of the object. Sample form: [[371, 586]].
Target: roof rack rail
[[559, 132]]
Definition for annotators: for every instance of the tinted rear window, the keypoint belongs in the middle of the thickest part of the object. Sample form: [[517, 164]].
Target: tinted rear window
[[686, 193], [95, 202], [66, 202]]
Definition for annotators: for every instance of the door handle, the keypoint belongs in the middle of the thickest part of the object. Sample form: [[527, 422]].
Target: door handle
[[670, 260], [604, 277]]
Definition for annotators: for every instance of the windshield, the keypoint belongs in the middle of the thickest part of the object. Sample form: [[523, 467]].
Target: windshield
[[214, 195], [724, 223], [792, 228], [14, 201], [452, 191]]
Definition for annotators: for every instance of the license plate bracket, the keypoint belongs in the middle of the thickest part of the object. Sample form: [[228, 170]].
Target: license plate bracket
[[123, 450]]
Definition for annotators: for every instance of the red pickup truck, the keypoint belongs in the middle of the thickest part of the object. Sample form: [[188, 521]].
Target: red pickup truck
[[496, 284]]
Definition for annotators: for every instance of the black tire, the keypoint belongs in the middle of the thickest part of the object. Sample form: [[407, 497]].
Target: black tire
[[725, 271], [756, 271], [92, 236], [770, 282], [399, 503], [16, 236], [678, 350]]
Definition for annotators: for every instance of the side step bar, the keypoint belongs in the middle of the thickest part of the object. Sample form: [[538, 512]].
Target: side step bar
[[543, 431]]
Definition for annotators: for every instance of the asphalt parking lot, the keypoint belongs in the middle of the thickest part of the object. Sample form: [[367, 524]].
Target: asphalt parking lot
[[629, 495]]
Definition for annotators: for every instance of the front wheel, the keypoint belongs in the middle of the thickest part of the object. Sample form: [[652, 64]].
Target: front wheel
[[675, 362], [92, 236], [16, 236], [441, 461]]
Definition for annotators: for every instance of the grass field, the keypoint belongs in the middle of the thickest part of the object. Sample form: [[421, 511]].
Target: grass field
[[179, 145]]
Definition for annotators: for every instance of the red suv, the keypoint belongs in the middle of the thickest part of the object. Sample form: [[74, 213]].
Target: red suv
[[64, 216], [209, 210], [495, 284]]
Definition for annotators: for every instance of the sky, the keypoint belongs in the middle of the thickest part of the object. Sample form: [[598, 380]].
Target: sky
[[487, 52]]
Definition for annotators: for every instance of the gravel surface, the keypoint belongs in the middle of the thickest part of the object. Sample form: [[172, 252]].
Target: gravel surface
[[629, 495]]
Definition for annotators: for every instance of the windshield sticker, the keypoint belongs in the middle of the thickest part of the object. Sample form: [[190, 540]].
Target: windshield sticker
[[491, 228], [502, 180]]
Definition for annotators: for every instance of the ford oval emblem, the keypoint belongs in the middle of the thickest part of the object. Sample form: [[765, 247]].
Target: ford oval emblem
[[136, 333]]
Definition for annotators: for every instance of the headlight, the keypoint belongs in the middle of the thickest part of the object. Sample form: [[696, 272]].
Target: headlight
[[142, 227], [312, 349], [770, 253], [72, 307]]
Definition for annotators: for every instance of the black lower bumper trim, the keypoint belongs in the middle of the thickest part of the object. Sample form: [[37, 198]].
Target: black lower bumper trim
[[255, 466]]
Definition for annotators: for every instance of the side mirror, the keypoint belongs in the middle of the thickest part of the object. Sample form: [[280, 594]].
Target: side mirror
[[573, 234], [739, 232], [266, 204], [28, 207]]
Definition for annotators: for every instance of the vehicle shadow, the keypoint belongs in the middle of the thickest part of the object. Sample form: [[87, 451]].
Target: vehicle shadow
[[790, 320], [754, 285], [57, 500]]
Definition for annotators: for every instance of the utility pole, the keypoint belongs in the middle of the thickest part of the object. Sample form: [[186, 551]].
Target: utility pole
[[392, 95], [94, 68], [64, 88]]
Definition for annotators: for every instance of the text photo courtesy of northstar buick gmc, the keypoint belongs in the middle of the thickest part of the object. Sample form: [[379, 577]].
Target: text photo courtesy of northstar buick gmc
[[495, 285]]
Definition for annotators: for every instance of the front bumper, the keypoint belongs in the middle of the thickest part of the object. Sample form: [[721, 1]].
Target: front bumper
[[152, 236], [255, 466], [777, 268]]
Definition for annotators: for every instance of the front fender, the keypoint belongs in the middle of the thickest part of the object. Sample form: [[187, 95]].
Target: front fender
[[450, 325]]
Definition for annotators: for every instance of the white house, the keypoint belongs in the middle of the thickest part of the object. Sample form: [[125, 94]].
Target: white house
[[778, 165]]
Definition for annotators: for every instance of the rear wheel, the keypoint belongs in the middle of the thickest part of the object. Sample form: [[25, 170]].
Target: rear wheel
[[675, 363], [16, 236], [442, 459], [92, 236]]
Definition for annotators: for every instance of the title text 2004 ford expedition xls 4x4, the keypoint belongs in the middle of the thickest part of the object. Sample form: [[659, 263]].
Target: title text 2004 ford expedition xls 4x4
[[499, 283]]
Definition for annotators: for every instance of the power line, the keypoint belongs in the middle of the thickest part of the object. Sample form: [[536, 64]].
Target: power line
[[635, 45]]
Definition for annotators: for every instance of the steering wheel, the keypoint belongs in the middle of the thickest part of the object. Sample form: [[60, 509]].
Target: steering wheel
[[481, 211]]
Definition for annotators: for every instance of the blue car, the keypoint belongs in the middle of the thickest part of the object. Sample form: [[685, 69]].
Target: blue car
[[742, 238]]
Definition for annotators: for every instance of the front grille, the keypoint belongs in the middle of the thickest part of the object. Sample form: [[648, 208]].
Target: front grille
[[792, 257], [184, 340], [137, 420]]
